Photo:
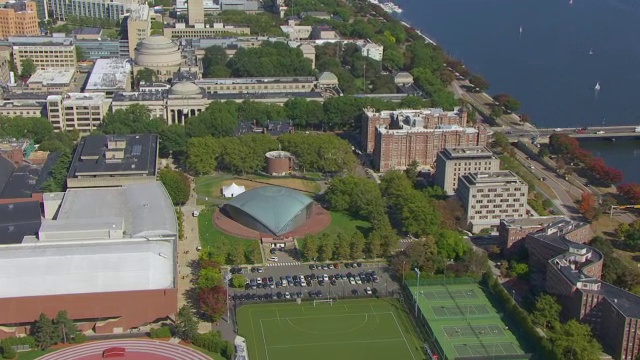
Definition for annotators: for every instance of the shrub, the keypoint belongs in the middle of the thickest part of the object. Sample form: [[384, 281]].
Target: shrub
[[227, 350], [79, 338], [211, 341], [8, 352], [163, 332]]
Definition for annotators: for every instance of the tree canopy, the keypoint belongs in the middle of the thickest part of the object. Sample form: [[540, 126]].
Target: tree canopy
[[326, 153], [270, 59], [177, 185]]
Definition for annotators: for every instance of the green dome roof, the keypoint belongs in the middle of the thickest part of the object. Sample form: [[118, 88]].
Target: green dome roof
[[272, 206]]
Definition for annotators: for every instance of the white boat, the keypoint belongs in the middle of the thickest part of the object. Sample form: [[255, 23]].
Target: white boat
[[570, 2], [391, 7], [590, 51], [521, 28], [597, 87]]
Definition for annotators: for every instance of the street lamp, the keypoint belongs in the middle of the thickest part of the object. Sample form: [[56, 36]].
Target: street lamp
[[513, 295], [227, 278], [417, 287], [404, 262]]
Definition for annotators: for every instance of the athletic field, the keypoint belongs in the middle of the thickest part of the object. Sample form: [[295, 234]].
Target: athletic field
[[464, 323], [371, 329]]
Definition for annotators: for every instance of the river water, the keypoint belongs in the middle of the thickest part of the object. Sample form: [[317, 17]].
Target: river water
[[554, 64]]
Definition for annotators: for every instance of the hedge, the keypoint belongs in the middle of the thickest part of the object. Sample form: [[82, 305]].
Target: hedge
[[212, 341], [542, 346], [163, 332]]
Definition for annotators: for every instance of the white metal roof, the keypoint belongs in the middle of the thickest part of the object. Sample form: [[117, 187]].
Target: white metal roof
[[109, 74]]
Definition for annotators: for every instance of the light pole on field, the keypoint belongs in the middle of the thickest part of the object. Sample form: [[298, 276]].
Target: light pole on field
[[417, 287]]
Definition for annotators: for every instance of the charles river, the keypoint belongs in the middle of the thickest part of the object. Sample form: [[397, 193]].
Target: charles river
[[553, 64]]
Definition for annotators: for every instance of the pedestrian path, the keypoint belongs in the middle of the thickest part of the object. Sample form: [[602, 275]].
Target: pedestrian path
[[284, 263]]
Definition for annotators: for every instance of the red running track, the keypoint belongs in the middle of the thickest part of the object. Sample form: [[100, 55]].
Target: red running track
[[136, 349]]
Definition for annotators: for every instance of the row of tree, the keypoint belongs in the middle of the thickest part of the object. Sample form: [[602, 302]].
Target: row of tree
[[212, 293], [177, 184], [345, 246], [615, 270], [569, 148]]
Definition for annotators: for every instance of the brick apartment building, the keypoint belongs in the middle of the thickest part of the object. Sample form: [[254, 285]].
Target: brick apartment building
[[564, 266], [396, 138]]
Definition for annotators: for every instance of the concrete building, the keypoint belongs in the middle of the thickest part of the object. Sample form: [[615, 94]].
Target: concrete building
[[23, 107], [282, 84], [181, 31], [370, 49], [100, 9], [56, 81], [87, 33], [248, 6], [101, 49], [5, 62], [490, 196], [107, 256], [451, 163], [209, 7], [397, 138], [323, 32], [77, 111], [159, 54], [309, 52], [114, 160], [47, 55], [562, 264], [109, 76], [19, 18], [195, 12], [295, 31], [138, 27]]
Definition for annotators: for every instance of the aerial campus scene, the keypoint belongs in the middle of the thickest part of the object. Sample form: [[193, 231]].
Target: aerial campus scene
[[319, 179]]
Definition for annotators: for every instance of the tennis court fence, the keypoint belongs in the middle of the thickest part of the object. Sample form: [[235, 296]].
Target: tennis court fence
[[443, 281], [496, 357]]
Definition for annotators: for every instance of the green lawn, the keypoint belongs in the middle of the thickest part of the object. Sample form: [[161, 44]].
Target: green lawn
[[205, 185], [341, 222], [213, 238], [214, 356], [33, 354], [370, 329]]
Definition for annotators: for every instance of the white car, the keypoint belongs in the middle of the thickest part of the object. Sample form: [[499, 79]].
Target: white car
[[285, 283], [196, 213], [273, 258], [287, 295], [258, 281], [367, 290], [557, 129], [600, 132], [303, 283], [325, 277], [352, 281], [358, 280]]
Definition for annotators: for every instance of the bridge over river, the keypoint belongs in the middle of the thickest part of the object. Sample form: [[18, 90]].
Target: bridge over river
[[595, 132]]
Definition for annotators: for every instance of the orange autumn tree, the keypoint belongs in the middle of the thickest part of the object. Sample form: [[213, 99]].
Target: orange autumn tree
[[588, 205]]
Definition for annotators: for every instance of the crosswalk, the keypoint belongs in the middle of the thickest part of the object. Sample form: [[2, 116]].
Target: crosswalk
[[407, 240], [284, 263]]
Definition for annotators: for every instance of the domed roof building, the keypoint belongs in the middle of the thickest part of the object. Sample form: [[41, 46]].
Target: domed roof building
[[185, 89], [270, 209], [160, 54]]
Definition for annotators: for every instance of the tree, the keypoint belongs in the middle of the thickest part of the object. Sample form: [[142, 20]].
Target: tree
[[325, 248], [236, 254], [209, 278], [357, 245], [27, 67], [213, 301], [8, 352], [238, 281], [65, 326], [342, 250], [177, 185], [173, 142], [309, 247], [588, 205], [218, 120], [186, 324], [479, 82], [57, 181], [135, 119], [202, 155], [518, 269], [546, 311], [81, 55], [44, 332], [574, 341], [146, 75], [214, 62], [631, 192], [450, 244]]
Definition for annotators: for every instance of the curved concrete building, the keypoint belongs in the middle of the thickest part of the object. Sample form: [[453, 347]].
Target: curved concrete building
[[271, 210], [159, 54]]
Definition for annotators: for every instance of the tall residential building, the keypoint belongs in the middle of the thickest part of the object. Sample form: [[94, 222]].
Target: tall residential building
[[77, 111], [195, 12], [19, 18], [138, 27], [490, 196], [453, 162], [567, 268], [101, 9], [397, 138], [46, 55]]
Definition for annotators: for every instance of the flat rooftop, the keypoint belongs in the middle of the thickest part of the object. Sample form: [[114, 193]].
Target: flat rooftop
[[109, 74], [18, 220], [115, 155], [52, 77], [491, 177], [406, 129], [428, 112], [80, 98], [535, 221], [470, 152], [26, 179], [255, 80], [87, 31]]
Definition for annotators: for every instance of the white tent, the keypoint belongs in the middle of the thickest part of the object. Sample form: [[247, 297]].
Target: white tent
[[232, 190]]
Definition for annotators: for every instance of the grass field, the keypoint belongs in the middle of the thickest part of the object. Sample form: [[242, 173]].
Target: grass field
[[371, 329], [214, 238], [464, 322], [211, 186]]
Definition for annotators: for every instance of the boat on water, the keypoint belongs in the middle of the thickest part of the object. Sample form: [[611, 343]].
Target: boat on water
[[590, 51], [597, 87]]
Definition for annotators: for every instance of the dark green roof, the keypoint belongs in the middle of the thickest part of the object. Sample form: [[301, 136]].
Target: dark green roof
[[272, 206]]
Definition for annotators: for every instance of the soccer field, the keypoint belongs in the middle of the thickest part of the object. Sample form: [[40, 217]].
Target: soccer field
[[372, 329]]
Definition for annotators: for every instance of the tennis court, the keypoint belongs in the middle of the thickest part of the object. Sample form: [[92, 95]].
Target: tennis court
[[463, 322], [376, 329], [460, 311]]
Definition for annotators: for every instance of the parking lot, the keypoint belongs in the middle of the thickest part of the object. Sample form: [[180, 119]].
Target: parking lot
[[317, 283]]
